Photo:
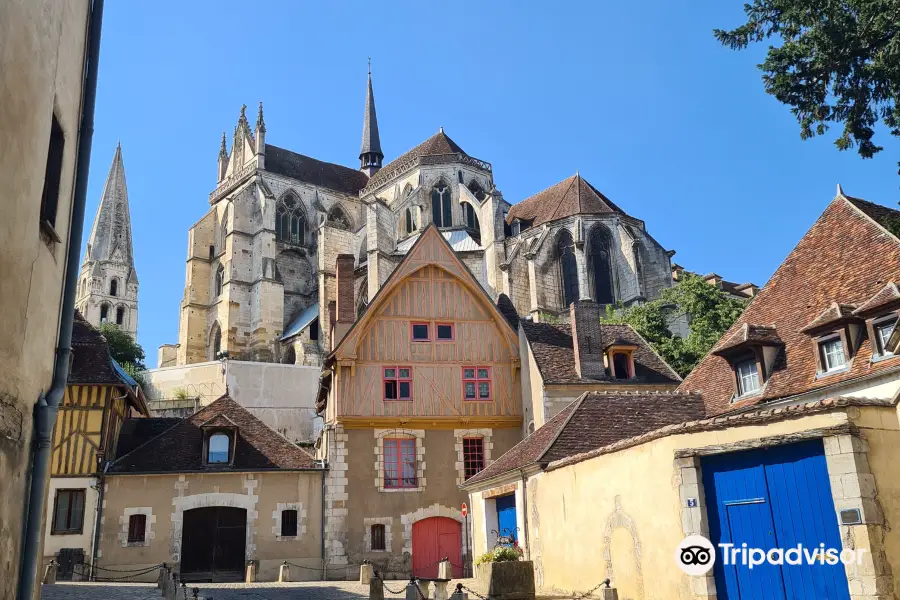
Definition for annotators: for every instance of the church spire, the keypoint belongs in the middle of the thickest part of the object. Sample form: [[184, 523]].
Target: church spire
[[370, 154], [111, 234]]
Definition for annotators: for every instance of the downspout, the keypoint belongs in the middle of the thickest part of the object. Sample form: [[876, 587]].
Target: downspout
[[525, 513], [45, 410], [322, 521], [95, 549]]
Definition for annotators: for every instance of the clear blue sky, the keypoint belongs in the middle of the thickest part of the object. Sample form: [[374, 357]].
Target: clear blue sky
[[639, 97]]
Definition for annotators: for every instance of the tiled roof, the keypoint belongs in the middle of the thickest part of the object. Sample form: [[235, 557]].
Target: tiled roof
[[845, 257], [571, 196], [750, 335], [888, 295], [91, 362], [439, 143], [596, 420], [834, 313], [180, 447], [508, 309], [554, 354], [304, 168], [136, 432]]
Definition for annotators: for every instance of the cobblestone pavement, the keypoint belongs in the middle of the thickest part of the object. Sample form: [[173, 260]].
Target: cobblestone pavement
[[308, 590]]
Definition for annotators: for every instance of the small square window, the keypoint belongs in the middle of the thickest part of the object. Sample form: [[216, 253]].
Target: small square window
[[137, 526], [445, 332], [883, 331], [68, 512], [289, 523], [468, 373], [747, 377], [420, 332], [378, 537], [397, 383], [832, 352], [476, 383]]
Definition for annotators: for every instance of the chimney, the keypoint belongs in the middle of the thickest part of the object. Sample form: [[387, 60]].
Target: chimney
[[345, 309], [587, 341]]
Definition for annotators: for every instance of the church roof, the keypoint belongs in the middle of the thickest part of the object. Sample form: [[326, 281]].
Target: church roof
[[571, 196], [371, 141], [111, 233], [437, 145], [316, 172], [301, 322], [458, 239]]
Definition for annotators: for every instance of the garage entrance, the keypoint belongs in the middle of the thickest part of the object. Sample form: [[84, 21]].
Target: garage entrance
[[213, 542], [432, 540], [774, 498]]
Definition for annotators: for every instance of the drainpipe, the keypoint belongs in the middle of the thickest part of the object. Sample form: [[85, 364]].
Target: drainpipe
[[95, 549], [46, 408], [322, 521], [525, 513]]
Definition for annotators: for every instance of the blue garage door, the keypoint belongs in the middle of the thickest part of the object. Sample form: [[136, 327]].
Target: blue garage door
[[774, 498], [506, 517]]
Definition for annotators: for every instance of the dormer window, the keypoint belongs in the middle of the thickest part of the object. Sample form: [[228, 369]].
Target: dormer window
[[218, 449], [619, 358], [883, 329], [880, 313], [620, 365], [831, 354], [747, 373]]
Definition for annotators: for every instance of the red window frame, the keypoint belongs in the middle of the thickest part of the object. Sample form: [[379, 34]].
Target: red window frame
[[452, 332], [473, 456], [412, 328], [400, 453], [397, 380], [476, 380]]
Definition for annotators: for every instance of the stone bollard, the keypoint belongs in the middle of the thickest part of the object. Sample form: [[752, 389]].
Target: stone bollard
[[284, 573], [251, 571], [365, 572], [162, 574], [423, 588], [172, 588], [609, 594], [376, 588], [412, 591], [445, 569], [50, 573], [440, 590], [459, 594]]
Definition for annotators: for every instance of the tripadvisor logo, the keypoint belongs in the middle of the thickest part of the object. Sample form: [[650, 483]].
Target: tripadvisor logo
[[696, 555]]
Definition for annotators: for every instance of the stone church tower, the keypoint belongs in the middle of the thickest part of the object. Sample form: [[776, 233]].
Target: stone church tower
[[108, 284]]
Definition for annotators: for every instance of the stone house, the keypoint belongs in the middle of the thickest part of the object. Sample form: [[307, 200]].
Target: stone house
[[212, 494], [783, 435], [99, 397], [42, 83]]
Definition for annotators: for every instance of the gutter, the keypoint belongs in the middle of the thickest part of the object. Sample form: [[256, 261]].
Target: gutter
[[45, 410]]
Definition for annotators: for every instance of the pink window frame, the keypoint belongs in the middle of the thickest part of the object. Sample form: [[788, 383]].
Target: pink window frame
[[452, 332], [476, 380], [397, 379], [412, 325], [398, 463]]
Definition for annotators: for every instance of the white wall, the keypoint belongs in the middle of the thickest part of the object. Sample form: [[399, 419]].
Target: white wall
[[54, 543]]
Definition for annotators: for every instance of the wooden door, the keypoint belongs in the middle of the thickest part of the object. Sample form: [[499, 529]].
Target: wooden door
[[432, 540], [213, 544]]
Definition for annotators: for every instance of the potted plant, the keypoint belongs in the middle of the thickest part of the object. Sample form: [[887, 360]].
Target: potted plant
[[504, 574]]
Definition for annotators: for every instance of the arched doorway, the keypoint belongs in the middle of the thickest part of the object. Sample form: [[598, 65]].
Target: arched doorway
[[432, 540], [213, 542]]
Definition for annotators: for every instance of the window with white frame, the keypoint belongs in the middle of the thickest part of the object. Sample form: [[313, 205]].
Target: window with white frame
[[747, 376], [883, 330], [832, 354]]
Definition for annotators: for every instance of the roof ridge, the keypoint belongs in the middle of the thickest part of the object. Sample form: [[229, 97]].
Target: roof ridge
[[562, 427], [564, 194]]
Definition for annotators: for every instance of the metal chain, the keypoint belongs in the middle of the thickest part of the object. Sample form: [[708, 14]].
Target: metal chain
[[98, 567], [387, 589], [592, 590], [125, 576], [471, 591]]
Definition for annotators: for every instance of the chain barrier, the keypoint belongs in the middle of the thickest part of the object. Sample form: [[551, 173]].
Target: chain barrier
[[386, 588], [605, 582], [460, 587], [99, 568], [129, 576]]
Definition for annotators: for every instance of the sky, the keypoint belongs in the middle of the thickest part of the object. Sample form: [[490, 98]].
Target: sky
[[636, 96]]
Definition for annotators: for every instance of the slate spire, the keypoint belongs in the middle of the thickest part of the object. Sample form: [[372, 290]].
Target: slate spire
[[370, 154], [111, 234]]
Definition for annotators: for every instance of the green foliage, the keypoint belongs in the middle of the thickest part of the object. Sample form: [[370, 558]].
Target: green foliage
[[837, 62], [501, 554], [181, 394], [550, 318], [136, 373], [709, 310], [122, 347]]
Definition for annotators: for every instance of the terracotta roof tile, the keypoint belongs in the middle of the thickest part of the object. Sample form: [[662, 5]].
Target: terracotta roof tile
[[888, 296], [180, 447], [571, 196], [831, 315], [304, 168], [508, 310], [554, 353], [91, 362], [438, 144], [749, 334], [845, 257]]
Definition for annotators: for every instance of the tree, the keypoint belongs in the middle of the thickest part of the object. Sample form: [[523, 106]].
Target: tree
[[122, 347], [709, 310], [838, 62]]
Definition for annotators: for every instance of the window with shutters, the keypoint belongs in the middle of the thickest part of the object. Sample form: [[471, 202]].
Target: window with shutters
[[68, 512], [289, 523], [52, 177], [137, 528], [378, 541]]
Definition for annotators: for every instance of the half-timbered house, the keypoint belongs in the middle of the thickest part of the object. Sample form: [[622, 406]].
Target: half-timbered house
[[418, 395]]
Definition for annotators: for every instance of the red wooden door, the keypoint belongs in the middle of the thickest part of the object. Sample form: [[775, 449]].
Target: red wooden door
[[432, 540]]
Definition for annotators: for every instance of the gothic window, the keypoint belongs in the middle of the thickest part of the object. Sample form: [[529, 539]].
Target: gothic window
[[639, 265], [407, 190], [113, 287], [565, 250], [216, 341], [599, 247], [120, 315], [290, 225], [409, 221], [440, 205], [104, 313], [363, 256], [220, 280], [338, 218], [476, 190], [223, 230], [290, 356], [472, 221]]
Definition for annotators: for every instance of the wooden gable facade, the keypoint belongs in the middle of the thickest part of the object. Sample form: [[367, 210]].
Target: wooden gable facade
[[430, 289]]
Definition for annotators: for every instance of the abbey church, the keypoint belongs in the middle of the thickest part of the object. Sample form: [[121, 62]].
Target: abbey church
[[262, 262]]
